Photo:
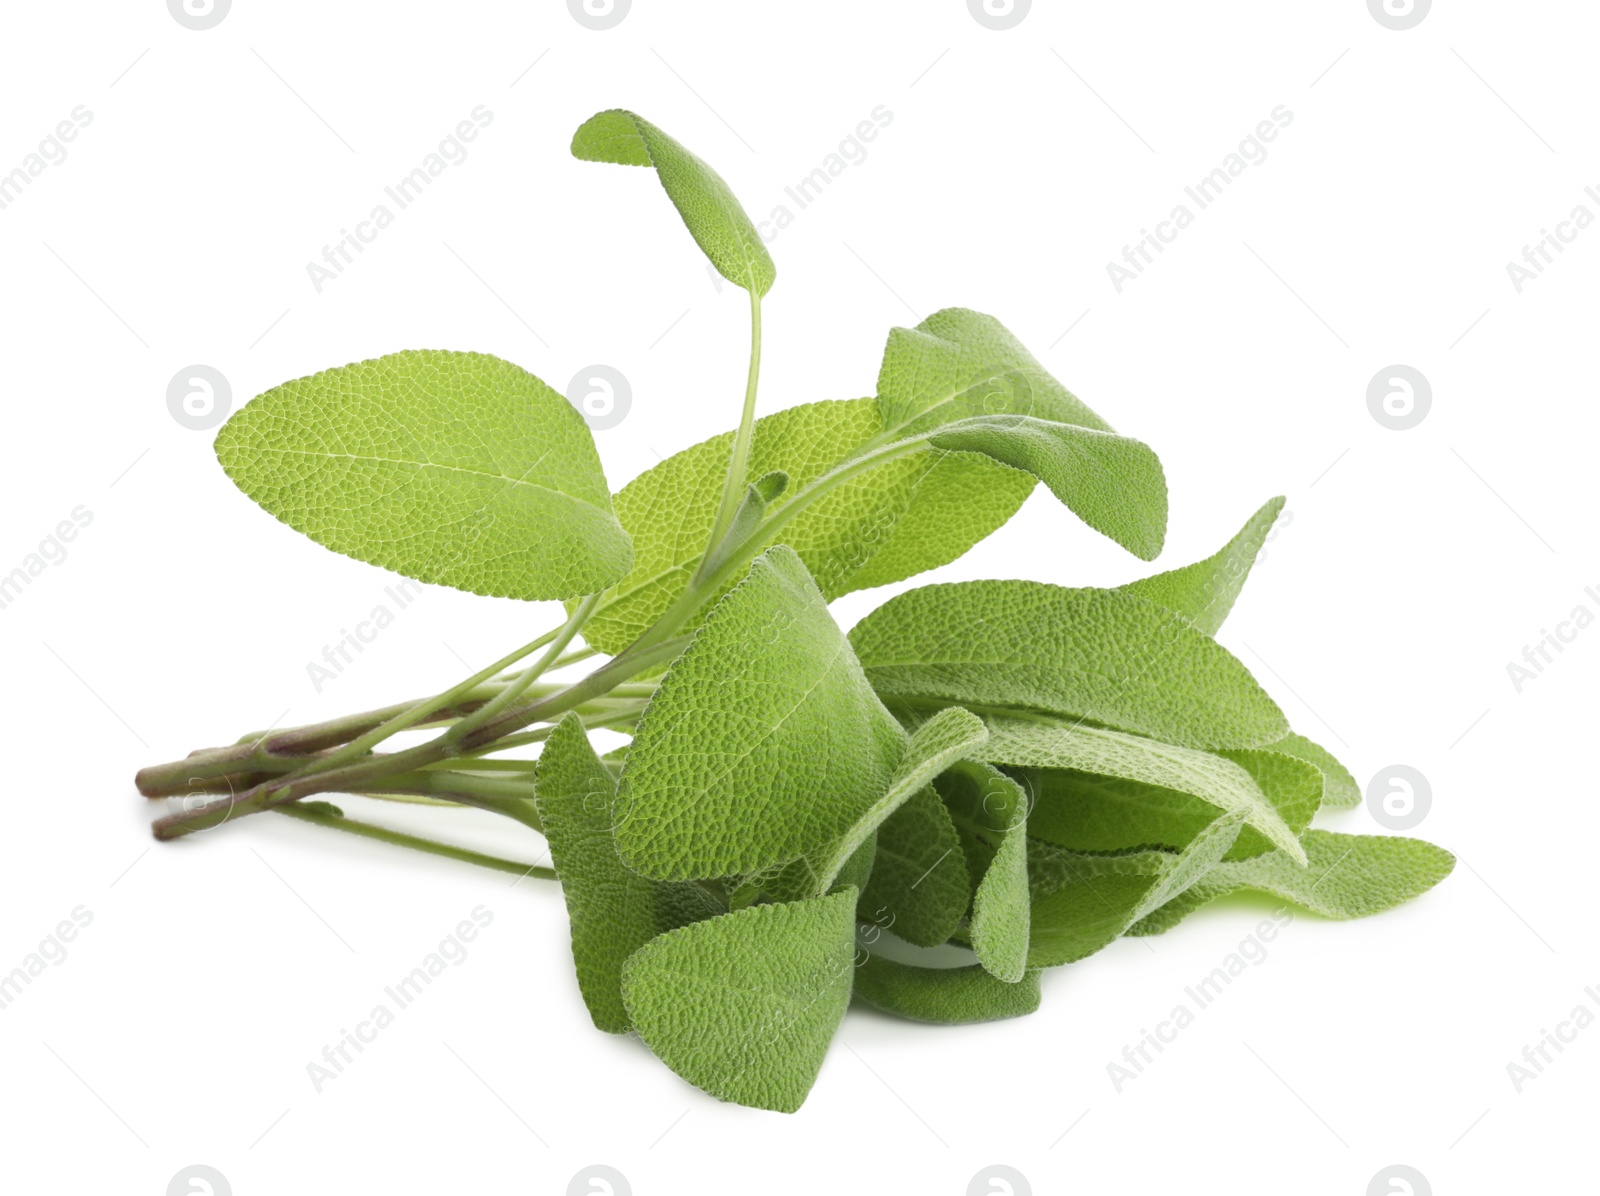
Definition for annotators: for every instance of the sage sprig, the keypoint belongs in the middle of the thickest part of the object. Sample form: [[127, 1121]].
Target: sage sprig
[[1022, 770]]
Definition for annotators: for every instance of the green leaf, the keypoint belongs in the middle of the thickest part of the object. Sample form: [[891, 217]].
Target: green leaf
[[907, 515], [457, 469], [1082, 903], [764, 742], [715, 219], [1349, 876], [1096, 654], [743, 1005], [1112, 483], [952, 734], [919, 886], [1204, 592], [1085, 812], [992, 810], [1040, 743], [944, 996], [614, 911], [1339, 788], [959, 363]]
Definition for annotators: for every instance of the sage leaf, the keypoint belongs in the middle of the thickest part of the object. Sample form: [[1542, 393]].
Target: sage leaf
[[764, 742], [1339, 788], [715, 219], [457, 469], [993, 811], [919, 886], [1220, 782], [1082, 903], [1116, 659], [1349, 876], [949, 736], [1205, 591], [908, 515], [1112, 483], [613, 910], [744, 1005], [943, 996]]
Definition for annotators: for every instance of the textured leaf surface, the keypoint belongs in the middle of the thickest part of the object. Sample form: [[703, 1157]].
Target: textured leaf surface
[[1085, 812], [944, 996], [1082, 903], [764, 742], [458, 469], [990, 811], [952, 734], [614, 911], [1349, 876], [744, 1005], [892, 522], [959, 363], [1205, 591], [715, 218], [1083, 653], [1339, 788], [1113, 483], [1037, 743], [919, 886]]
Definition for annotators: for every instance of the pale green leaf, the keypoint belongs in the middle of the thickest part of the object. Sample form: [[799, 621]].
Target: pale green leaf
[[715, 219], [453, 468], [1081, 653], [1112, 483], [614, 911], [1204, 592], [1082, 903], [992, 811], [943, 996], [919, 887], [1349, 876], [1339, 788], [907, 515], [764, 742], [1042, 743], [959, 363], [952, 734], [744, 1005], [1085, 812]]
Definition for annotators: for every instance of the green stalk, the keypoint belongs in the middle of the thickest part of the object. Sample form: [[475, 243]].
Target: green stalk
[[432, 846], [739, 463]]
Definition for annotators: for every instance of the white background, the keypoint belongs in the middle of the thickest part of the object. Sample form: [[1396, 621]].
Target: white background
[[1018, 164]]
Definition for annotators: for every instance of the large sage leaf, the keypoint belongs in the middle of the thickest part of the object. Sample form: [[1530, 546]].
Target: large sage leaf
[[744, 1005], [1220, 782], [715, 219], [453, 468], [1113, 658], [764, 742], [613, 910], [1348, 876], [903, 517]]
